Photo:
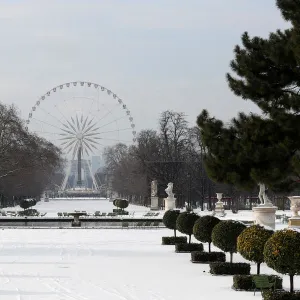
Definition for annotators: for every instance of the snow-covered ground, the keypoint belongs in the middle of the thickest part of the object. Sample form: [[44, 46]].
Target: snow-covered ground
[[120, 264]]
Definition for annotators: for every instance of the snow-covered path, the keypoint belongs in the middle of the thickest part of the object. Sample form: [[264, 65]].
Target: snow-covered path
[[80, 264]]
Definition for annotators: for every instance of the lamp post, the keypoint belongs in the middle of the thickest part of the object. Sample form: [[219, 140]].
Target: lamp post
[[189, 190]]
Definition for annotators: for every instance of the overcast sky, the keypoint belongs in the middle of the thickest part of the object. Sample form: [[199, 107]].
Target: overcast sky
[[155, 54]]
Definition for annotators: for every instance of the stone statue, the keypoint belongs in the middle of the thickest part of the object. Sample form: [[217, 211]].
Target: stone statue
[[169, 190], [154, 188], [262, 195]]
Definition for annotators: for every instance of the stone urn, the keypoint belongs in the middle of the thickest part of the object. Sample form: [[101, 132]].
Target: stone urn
[[295, 205], [219, 206]]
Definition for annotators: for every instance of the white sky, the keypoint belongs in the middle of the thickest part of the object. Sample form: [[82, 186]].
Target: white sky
[[155, 54]]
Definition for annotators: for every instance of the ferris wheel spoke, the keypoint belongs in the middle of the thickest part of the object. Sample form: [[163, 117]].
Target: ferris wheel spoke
[[47, 123], [45, 132], [54, 117], [88, 146], [84, 123], [117, 130], [113, 121]]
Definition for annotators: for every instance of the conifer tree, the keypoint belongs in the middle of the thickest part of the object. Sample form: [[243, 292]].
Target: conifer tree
[[260, 149]]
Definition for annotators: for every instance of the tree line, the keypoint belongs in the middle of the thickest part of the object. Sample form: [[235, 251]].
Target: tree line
[[173, 153], [27, 161]]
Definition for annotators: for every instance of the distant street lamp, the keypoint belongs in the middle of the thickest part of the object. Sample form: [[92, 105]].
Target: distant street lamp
[[189, 190]]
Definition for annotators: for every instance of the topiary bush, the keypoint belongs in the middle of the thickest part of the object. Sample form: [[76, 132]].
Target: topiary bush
[[27, 203], [251, 242], [185, 223], [207, 257], [225, 234], [226, 268], [280, 295], [203, 227], [173, 240], [169, 219], [186, 248], [121, 203], [245, 282], [281, 253]]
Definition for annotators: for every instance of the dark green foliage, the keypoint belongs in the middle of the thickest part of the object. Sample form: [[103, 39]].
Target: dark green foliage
[[121, 203], [203, 227], [251, 242], [185, 223], [25, 204], [254, 149], [281, 253], [172, 240], [225, 268], [207, 257], [245, 282], [169, 219], [251, 150], [225, 234], [185, 248], [280, 295]]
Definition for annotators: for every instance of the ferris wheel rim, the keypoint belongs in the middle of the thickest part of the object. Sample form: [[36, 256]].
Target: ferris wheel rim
[[88, 84]]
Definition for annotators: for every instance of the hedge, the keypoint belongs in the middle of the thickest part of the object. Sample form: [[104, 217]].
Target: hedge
[[280, 295], [226, 268], [245, 282], [207, 257], [186, 248], [172, 240]]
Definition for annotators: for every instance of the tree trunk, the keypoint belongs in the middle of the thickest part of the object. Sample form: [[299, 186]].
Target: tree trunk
[[190, 236], [175, 232], [231, 256], [209, 247], [258, 268], [291, 283]]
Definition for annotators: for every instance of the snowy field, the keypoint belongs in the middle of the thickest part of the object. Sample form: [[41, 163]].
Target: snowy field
[[119, 264]]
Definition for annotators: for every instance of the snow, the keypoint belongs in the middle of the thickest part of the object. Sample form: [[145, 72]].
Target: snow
[[118, 264]]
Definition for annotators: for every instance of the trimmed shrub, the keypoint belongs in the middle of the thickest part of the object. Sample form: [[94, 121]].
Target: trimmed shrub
[[245, 282], [169, 219], [121, 203], [280, 295], [207, 257], [173, 240], [27, 203], [225, 234], [203, 228], [251, 242], [185, 223], [281, 253], [226, 268], [186, 248]]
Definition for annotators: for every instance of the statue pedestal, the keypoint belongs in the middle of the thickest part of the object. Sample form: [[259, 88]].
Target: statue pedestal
[[264, 215], [154, 203], [170, 203], [219, 208], [294, 222]]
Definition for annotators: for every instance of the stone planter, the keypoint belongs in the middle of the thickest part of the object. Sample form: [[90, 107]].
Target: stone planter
[[294, 221]]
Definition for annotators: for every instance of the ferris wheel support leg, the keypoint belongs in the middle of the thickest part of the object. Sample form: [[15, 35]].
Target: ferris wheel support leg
[[64, 184], [93, 178]]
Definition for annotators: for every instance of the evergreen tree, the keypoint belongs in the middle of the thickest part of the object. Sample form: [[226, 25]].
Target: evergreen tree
[[260, 149]]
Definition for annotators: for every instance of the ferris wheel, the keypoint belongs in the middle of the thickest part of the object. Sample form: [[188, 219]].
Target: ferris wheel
[[81, 118]]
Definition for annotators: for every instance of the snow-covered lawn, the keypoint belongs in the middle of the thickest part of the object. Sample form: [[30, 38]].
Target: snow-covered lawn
[[108, 264], [104, 264]]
